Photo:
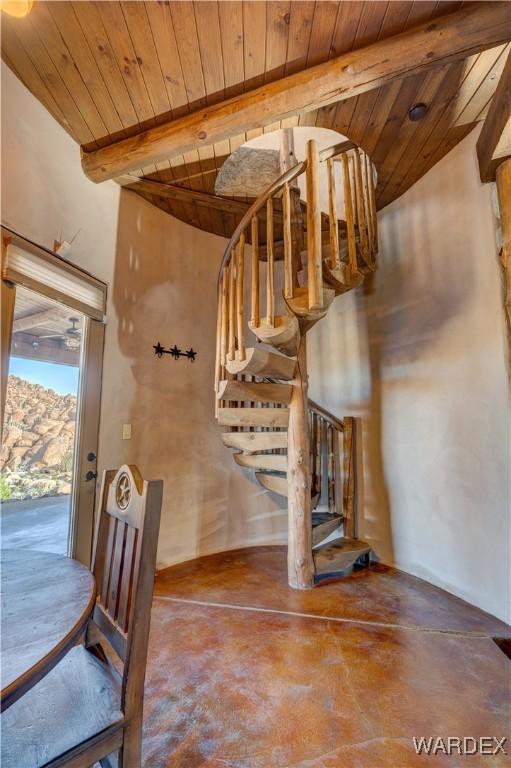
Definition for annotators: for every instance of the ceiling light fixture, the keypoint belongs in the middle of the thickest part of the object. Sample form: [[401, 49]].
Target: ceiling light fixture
[[17, 8], [417, 112]]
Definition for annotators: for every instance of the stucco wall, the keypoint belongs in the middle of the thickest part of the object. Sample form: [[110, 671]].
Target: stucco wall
[[161, 276], [45, 194], [420, 355], [165, 290]]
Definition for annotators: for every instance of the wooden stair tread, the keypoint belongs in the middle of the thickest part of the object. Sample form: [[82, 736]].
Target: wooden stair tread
[[338, 555], [260, 461], [262, 362], [274, 483], [257, 392], [299, 304], [251, 442], [325, 528], [341, 280], [284, 334], [253, 417]]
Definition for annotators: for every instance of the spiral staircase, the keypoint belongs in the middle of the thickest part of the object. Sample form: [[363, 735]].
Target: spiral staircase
[[308, 258]]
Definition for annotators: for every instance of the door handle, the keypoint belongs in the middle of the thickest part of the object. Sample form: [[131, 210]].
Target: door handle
[[91, 475]]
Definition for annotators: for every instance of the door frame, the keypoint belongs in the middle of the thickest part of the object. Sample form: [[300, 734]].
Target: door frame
[[90, 381]]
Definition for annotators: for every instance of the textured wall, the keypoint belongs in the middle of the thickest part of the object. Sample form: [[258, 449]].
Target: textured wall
[[164, 289], [420, 356], [161, 275], [45, 194]]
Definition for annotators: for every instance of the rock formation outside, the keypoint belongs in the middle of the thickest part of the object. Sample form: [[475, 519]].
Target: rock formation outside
[[36, 458]]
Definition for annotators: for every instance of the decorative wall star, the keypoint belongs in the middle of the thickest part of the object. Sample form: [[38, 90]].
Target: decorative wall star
[[176, 353]]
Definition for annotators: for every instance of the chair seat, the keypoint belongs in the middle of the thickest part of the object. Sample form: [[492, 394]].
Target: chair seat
[[78, 699]]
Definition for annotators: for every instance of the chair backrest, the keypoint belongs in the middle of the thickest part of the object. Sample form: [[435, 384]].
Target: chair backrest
[[124, 563]]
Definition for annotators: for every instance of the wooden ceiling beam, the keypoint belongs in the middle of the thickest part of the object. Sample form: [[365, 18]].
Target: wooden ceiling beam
[[472, 28], [494, 142], [185, 195]]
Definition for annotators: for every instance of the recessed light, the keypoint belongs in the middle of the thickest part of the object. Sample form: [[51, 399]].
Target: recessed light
[[17, 8], [417, 112]]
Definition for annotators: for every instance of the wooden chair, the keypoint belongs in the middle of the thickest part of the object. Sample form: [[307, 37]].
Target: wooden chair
[[84, 711]]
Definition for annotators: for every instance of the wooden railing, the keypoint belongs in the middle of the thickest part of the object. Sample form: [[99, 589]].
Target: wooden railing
[[351, 242], [333, 465]]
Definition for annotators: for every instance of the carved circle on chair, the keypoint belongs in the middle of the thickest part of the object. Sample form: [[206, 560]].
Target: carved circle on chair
[[123, 491]]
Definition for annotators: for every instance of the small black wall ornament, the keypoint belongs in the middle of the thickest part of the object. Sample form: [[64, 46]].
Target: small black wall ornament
[[175, 352]]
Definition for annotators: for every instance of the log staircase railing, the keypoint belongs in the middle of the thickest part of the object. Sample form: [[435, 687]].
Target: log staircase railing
[[300, 258], [333, 466], [352, 246]]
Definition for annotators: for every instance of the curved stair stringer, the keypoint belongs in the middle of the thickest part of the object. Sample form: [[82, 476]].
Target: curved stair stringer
[[254, 385]]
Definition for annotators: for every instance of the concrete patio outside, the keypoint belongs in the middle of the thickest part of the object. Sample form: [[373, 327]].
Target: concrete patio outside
[[41, 523]]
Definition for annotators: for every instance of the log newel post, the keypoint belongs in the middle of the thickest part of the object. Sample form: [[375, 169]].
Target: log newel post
[[503, 179], [299, 558]]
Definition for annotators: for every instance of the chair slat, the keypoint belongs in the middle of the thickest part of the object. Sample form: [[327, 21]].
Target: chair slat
[[108, 548], [117, 570], [125, 597]]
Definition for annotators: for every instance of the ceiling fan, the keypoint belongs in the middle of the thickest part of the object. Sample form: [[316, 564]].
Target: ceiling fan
[[71, 338]]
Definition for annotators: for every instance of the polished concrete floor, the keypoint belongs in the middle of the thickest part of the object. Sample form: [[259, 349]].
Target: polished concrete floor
[[245, 673], [41, 524]]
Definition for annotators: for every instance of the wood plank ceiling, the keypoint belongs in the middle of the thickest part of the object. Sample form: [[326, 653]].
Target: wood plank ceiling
[[105, 70]]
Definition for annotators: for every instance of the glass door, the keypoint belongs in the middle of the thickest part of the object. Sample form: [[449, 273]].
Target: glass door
[[37, 460], [52, 334]]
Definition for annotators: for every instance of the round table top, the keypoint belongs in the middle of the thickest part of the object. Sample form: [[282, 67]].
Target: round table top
[[47, 600]]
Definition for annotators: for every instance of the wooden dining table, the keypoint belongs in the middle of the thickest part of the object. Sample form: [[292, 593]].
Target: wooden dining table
[[47, 600]]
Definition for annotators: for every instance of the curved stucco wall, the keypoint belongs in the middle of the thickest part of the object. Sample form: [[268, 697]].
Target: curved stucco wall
[[420, 356]]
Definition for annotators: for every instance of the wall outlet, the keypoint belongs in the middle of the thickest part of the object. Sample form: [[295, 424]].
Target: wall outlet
[[126, 431]]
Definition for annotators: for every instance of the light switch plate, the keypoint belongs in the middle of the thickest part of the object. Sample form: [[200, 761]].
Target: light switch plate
[[126, 431]]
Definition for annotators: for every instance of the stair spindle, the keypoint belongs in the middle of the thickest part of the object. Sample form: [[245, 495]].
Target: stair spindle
[[330, 468], [367, 205], [359, 190], [349, 476], [218, 361], [240, 286], [270, 291], [232, 307], [314, 255], [224, 331], [348, 212], [288, 244], [254, 307], [335, 262], [372, 206]]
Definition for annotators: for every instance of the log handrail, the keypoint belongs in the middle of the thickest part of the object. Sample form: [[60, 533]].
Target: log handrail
[[271, 191], [352, 243], [316, 408]]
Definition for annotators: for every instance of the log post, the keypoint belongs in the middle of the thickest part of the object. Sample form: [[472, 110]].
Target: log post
[[300, 565], [503, 179]]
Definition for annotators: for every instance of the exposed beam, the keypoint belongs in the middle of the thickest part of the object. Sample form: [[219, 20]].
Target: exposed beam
[[185, 195], [46, 350], [37, 318], [471, 29], [494, 142]]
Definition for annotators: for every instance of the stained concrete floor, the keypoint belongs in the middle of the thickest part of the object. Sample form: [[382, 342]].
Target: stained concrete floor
[[244, 672], [35, 524]]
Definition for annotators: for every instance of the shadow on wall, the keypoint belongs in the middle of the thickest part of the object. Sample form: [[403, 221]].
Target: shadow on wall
[[403, 309], [164, 291]]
